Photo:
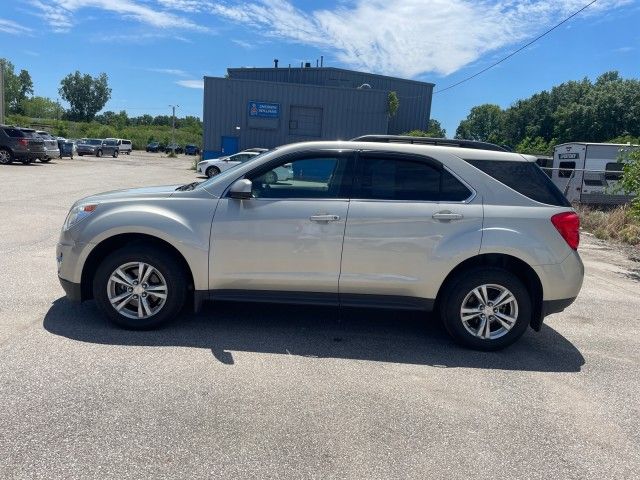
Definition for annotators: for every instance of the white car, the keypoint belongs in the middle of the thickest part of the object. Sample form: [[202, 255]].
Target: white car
[[216, 165]]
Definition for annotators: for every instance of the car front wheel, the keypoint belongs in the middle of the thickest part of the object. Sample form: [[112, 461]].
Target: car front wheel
[[140, 287], [115, 153], [486, 308]]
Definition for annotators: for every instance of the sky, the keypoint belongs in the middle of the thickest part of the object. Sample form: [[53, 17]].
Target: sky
[[156, 52]]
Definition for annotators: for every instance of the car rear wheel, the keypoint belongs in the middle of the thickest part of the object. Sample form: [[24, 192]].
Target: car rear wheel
[[6, 157], [115, 153], [486, 308], [45, 160], [212, 171], [99, 153], [140, 287]]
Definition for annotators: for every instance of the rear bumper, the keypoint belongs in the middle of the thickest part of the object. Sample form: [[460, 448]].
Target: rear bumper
[[556, 306], [73, 290]]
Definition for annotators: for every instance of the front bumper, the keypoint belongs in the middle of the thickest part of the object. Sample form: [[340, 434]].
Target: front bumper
[[73, 290]]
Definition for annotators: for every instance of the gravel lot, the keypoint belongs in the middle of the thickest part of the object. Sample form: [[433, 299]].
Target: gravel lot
[[295, 392]]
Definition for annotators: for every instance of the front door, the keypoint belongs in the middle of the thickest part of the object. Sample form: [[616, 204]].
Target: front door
[[410, 220], [229, 145], [288, 236]]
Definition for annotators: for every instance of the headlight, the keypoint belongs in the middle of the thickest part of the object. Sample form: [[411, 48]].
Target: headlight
[[77, 214]]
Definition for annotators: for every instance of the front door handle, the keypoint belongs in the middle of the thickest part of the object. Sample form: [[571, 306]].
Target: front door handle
[[324, 218], [447, 216]]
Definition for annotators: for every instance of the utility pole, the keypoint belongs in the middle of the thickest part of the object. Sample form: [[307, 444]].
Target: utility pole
[[173, 129], [1, 91]]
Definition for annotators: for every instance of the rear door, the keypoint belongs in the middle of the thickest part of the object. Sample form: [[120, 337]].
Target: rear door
[[410, 222]]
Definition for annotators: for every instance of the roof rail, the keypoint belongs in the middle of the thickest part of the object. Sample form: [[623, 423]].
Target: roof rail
[[442, 142]]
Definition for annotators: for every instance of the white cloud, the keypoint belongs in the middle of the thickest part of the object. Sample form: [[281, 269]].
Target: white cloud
[[13, 28], [408, 37], [191, 83], [243, 44], [59, 13], [169, 71]]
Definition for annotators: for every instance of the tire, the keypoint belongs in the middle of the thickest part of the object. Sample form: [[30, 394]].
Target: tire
[[99, 153], [80, 154], [459, 294], [6, 157], [212, 171], [172, 276], [115, 154], [45, 160], [26, 161]]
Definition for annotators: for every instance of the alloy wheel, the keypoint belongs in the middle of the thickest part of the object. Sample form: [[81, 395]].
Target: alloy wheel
[[489, 311], [137, 290]]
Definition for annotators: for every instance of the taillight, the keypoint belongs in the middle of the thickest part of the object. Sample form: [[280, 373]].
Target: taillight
[[568, 224], [24, 142]]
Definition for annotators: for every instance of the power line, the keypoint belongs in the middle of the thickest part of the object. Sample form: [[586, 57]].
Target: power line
[[518, 50]]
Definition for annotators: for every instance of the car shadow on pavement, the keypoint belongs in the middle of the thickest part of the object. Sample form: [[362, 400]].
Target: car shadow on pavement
[[322, 332]]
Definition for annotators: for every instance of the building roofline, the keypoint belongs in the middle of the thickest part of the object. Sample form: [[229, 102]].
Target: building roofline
[[270, 69], [306, 85]]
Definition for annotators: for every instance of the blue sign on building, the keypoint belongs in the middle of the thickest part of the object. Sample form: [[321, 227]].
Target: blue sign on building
[[264, 109]]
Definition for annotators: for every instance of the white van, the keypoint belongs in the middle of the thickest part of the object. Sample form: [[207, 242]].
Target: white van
[[124, 146], [590, 172]]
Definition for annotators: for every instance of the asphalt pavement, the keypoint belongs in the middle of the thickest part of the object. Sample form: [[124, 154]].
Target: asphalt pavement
[[255, 391]]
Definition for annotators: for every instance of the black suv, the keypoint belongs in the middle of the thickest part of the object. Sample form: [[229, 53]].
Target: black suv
[[16, 144], [155, 147]]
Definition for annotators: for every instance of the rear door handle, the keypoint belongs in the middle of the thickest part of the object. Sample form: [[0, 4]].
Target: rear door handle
[[447, 216], [324, 218]]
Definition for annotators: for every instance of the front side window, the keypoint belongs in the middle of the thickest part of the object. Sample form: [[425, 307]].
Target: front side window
[[393, 178], [321, 176]]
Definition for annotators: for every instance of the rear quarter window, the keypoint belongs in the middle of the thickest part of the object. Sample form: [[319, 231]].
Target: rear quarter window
[[525, 178]]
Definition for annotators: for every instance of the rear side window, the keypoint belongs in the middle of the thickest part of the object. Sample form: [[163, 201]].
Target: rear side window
[[126, 142], [392, 178], [525, 178], [14, 133]]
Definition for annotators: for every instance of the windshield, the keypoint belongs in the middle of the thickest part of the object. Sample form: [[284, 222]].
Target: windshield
[[93, 141], [231, 171]]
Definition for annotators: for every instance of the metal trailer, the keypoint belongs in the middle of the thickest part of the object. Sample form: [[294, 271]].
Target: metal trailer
[[589, 173]]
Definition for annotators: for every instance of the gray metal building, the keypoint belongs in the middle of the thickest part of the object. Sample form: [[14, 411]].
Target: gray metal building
[[267, 107]]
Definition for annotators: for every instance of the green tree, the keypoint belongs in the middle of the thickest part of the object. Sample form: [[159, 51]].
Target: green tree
[[484, 123], [40, 107], [393, 103], [535, 146], [86, 95], [630, 183], [434, 130], [16, 87]]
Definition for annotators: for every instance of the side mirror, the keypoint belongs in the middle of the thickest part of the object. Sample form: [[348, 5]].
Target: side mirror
[[241, 189]]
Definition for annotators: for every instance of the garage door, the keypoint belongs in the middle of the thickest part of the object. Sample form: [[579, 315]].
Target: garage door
[[305, 121]]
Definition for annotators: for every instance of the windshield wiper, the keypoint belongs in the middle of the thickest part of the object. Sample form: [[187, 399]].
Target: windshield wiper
[[188, 186]]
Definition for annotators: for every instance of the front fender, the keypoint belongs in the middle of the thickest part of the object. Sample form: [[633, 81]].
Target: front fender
[[187, 228]]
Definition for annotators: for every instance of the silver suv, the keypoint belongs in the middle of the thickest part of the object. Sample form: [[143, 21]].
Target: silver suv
[[481, 236]]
